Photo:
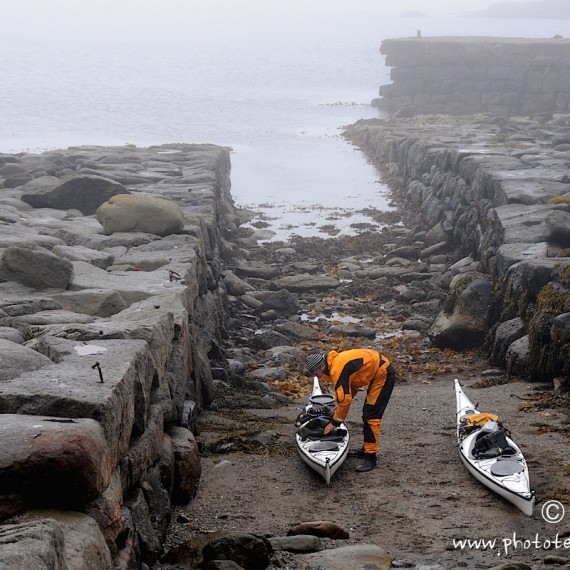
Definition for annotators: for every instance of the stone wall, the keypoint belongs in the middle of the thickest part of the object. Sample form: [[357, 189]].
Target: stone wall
[[498, 190], [104, 371], [455, 75]]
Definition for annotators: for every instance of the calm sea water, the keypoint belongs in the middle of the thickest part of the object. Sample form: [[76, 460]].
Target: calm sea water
[[276, 87]]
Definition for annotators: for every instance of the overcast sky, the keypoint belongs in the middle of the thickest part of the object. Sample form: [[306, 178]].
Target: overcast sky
[[207, 20], [59, 12]]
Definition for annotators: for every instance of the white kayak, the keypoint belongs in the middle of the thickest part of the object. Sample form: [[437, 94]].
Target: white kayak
[[322, 453], [490, 455]]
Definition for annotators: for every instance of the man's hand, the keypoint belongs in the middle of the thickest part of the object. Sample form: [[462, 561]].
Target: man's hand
[[328, 429]]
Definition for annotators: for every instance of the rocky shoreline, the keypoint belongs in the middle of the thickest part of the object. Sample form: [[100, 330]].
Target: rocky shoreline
[[253, 482], [183, 338], [497, 191], [110, 307]]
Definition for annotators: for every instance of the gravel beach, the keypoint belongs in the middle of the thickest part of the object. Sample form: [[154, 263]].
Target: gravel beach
[[420, 503]]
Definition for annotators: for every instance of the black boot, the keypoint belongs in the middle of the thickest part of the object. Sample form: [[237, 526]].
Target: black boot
[[368, 462], [359, 453]]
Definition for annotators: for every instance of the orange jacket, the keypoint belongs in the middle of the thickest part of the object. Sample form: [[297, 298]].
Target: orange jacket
[[349, 371]]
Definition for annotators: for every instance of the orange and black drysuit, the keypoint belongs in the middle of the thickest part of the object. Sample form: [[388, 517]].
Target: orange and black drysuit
[[351, 370]]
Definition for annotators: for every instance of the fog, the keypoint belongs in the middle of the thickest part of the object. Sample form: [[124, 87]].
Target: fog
[[221, 20], [275, 80], [55, 16]]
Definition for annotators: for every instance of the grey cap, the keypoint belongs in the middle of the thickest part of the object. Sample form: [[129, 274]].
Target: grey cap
[[314, 361]]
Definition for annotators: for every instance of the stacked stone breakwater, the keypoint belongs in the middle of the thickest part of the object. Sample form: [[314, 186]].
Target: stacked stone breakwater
[[464, 75], [111, 301], [497, 193], [115, 302]]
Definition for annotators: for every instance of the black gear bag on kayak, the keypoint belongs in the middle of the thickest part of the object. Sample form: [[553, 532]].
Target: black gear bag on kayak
[[492, 444]]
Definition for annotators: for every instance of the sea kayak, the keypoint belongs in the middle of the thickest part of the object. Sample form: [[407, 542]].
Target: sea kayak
[[322, 453], [490, 455]]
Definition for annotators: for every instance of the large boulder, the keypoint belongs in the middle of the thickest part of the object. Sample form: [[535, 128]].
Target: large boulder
[[516, 358], [283, 302], [35, 545], [560, 331], [505, 335], [83, 193], [249, 551], [139, 527], [306, 283], [234, 284], [188, 468], [138, 213], [41, 184], [351, 557], [81, 253], [35, 267], [222, 549], [257, 270], [558, 228], [53, 461], [96, 302], [9, 214], [11, 334], [33, 536], [268, 339], [464, 322], [53, 317], [16, 359]]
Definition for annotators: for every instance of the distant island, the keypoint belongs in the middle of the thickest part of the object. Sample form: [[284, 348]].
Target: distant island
[[413, 14], [556, 9]]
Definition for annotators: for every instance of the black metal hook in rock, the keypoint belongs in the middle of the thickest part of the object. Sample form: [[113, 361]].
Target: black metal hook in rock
[[173, 275], [98, 366]]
